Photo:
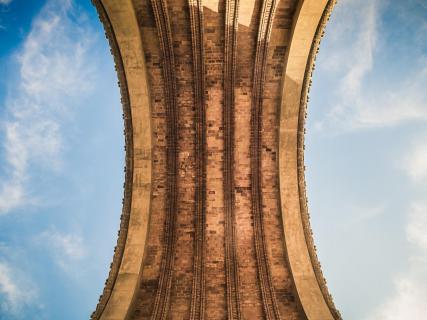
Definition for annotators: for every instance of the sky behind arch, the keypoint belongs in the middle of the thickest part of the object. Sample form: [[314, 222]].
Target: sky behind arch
[[61, 159], [366, 158]]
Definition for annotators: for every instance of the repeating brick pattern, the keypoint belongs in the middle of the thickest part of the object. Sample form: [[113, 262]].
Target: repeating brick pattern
[[229, 185], [199, 76], [183, 265], [201, 233], [250, 294], [270, 307], [176, 303], [216, 306]]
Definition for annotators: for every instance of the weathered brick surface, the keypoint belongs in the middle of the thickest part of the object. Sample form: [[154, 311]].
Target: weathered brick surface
[[251, 304], [214, 59], [183, 264], [215, 279], [205, 220]]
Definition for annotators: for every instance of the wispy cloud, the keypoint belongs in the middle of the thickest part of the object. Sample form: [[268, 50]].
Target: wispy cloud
[[15, 292], [410, 290], [54, 71], [353, 36], [389, 108], [362, 214], [415, 163], [8, 288], [361, 99], [363, 51], [65, 248], [416, 229], [5, 2]]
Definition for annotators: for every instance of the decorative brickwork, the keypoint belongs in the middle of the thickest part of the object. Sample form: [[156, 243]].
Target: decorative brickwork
[[268, 294], [163, 295], [198, 291], [228, 119], [223, 232]]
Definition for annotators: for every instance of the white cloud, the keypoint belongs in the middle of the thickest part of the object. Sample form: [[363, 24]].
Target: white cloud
[[55, 71], [387, 108], [364, 47], [358, 44], [8, 288], [416, 229], [68, 245], [352, 35], [359, 214], [65, 248], [410, 290], [415, 162], [15, 292], [407, 303], [5, 2]]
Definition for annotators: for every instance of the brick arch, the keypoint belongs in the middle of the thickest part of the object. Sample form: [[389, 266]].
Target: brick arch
[[215, 221]]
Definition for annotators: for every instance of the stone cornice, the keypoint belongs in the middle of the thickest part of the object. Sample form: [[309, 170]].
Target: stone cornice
[[310, 19], [301, 164], [123, 33], [128, 133]]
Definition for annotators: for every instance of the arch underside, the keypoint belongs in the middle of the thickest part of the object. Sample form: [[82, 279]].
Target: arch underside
[[215, 222]]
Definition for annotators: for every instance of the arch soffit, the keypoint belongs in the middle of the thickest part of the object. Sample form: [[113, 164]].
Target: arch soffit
[[123, 33]]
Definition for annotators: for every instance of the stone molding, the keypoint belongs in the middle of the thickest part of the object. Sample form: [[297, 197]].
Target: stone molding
[[310, 20], [127, 197], [123, 35], [301, 167]]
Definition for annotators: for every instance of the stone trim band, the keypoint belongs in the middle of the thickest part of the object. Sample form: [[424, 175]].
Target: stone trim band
[[231, 262], [271, 309], [198, 290], [162, 300], [127, 197]]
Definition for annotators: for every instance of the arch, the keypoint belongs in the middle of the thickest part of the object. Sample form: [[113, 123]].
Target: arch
[[123, 34], [310, 20]]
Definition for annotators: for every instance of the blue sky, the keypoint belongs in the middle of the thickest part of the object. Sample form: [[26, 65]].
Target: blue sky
[[61, 158], [366, 158]]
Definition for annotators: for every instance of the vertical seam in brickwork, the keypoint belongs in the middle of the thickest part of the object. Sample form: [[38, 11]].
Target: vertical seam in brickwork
[[231, 263], [269, 301], [198, 289], [162, 299]]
